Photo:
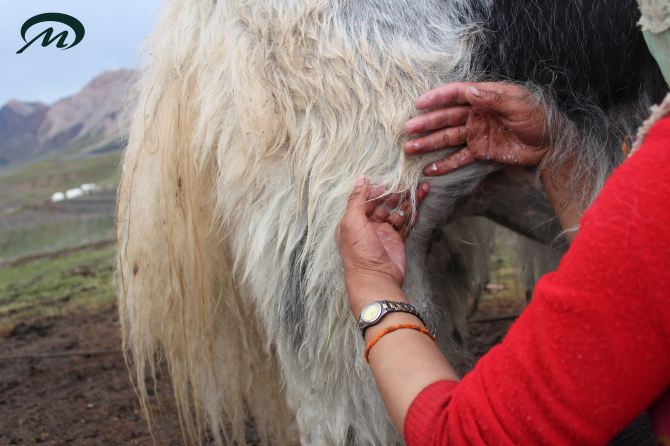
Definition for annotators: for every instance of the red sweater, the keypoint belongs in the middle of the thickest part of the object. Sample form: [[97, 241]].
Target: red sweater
[[592, 350]]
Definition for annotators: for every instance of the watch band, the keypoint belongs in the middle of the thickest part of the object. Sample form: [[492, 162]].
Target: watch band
[[374, 312]]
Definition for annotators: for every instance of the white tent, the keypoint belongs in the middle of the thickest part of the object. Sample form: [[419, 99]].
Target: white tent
[[74, 193]]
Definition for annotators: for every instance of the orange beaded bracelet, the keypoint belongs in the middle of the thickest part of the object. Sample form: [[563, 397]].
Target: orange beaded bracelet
[[391, 329]]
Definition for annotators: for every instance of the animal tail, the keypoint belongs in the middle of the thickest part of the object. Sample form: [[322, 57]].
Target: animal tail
[[179, 307]]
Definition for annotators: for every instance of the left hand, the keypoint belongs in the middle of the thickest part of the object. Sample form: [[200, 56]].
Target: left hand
[[496, 121], [371, 240]]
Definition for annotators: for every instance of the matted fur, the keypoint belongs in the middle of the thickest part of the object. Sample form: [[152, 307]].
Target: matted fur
[[254, 119]]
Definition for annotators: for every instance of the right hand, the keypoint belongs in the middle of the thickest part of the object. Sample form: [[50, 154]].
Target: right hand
[[371, 240], [496, 121]]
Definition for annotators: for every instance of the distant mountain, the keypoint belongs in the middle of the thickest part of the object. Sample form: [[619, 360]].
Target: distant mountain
[[89, 118], [19, 126]]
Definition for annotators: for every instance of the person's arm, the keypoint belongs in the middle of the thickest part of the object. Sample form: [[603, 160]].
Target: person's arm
[[403, 362], [590, 353], [371, 240], [586, 357]]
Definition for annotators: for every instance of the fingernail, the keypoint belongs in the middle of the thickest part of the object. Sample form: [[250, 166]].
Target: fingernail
[[430, 170], [412, 146], [425, 187], [475, 92], [360, 181], [422, 100]]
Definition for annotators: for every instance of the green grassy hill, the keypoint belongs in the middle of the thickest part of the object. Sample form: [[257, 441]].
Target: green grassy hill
[[36, 182], [30, 223], [56, 284], [55, 257]]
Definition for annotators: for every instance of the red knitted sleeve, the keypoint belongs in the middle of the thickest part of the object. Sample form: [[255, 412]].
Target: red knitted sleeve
[[592, 350]]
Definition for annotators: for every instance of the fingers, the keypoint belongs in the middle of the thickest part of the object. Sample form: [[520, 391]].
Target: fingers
[[435, 120], [454, 161], [501, 97], [439, 140], [401, 219], [389, 207], [375, 195], [422, 192], [359, 195], [444, 96], [363, 198], [383, 210], [375, 192], [504, 99], [485, 99], [394, 209]]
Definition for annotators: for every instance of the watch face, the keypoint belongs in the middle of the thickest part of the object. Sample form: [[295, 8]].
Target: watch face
[[371, 312]]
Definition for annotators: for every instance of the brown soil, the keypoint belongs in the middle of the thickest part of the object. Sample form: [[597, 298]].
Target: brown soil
[[63, 380], [73, 398]]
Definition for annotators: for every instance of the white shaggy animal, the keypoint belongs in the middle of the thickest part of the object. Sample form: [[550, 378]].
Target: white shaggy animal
[[254, 119]]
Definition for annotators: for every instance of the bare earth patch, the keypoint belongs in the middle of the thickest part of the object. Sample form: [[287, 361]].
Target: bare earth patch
[[78, 399]]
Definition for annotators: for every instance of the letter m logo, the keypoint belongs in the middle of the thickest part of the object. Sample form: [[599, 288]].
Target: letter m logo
[[48, 40], [47, 35]]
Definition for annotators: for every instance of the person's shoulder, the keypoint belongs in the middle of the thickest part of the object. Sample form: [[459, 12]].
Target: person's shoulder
[[654, 147], [650, 163], [639, 190], [625, 234], [660, 132]]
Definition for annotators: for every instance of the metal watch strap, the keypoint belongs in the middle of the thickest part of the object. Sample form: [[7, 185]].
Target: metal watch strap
[[389, 306]]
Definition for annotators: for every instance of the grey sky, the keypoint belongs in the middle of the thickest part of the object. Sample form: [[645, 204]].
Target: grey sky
[[114, 32]]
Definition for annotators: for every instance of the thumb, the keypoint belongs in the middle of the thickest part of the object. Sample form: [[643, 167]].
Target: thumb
[[359, 195]]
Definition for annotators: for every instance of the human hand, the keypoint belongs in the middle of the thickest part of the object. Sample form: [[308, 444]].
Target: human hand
[[496, 121], [371, 240]]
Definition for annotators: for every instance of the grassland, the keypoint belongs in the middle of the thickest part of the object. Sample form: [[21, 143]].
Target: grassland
[[56, 284], [36, 182], [40, 271], [53, 234], [30, 223]]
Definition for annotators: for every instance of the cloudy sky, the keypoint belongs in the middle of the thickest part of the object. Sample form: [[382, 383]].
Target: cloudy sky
[[114, 32]]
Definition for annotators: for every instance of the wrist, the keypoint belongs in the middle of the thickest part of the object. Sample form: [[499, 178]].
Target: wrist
[[389, 320], [365, 288]]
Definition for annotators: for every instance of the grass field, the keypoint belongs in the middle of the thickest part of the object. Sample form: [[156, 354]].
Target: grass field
[[56, 284], [30, 223], [40, 271], [54, 234]]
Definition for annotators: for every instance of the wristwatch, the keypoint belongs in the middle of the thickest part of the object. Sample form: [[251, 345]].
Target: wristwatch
[[374, 312]]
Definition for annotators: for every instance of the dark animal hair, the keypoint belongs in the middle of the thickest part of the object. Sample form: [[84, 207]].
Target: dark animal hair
[[587, 57]]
